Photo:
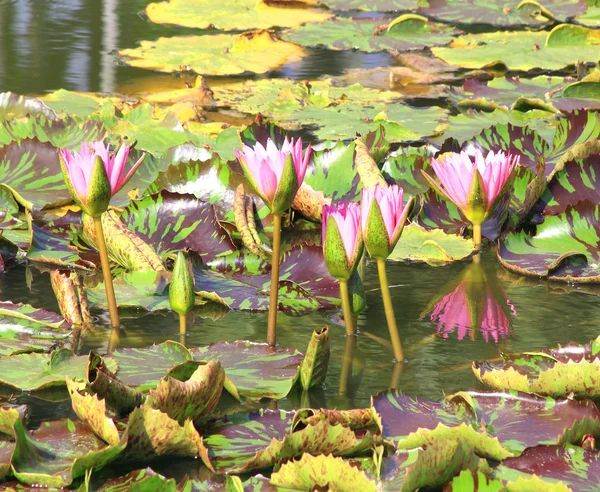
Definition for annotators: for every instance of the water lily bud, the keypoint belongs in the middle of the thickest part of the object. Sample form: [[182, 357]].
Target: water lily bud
[[383, 216], [181, 289], [342, 239], [275, 174]]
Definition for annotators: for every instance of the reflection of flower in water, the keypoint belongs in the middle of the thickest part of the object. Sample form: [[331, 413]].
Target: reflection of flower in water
[[474, 304]]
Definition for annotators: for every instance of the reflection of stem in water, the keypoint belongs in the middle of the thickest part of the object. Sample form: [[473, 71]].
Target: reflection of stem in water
[[182, 328], [108, 284], [113, 339], [272, 326], [346, 372], [396, 373], [348, 316], [389, 311]]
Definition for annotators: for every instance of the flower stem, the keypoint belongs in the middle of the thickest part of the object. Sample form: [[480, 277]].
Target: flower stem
[[108, 284], [182, 328], [389, 311], [396, 373], [272, 326], [477, 236], [348, 317]]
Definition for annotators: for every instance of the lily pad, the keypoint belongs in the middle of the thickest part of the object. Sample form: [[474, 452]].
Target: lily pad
[[433, 247], [371, 5], [171, 222], [504, 12], [565, 45], [31, 372], [408, 32], [24, 328], [559, 372], [564, 247], [238, 16], [255, 369], [143, 368], [219, 54]]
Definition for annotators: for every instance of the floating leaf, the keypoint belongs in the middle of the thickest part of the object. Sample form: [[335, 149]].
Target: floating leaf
[[24, 328], [171, 222], [560, 372], [433, 247], [239, 16], [407, 32], [54, 248], [219, 54], [313, 370], [564, 247], [371, 5], [143, 368], [565, 45], [140, 480], [31, 372], [255, 369], [321, 472], [504, 12]]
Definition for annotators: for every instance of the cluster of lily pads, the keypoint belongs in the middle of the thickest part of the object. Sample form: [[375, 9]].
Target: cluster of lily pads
[[216, 407]]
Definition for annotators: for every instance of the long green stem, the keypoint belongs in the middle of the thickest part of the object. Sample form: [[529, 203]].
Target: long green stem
[[272, 326], [389, 311], [396, 373], [182, 328], [108, 284], [348, 316]]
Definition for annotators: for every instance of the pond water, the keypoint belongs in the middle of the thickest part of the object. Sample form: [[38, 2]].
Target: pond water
[[47, 45]]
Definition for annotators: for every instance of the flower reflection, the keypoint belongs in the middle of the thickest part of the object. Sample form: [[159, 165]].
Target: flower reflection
[[473, 302]]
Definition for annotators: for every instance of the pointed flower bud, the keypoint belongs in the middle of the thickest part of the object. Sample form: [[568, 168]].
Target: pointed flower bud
[[181, 289], [93, 175], [275, 174], [474, 184], [342, 239], [383, 215]]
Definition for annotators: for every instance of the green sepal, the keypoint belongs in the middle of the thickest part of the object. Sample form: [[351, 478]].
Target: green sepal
[[181, 289], [287, 189], [477, 205], [376, 236], [335, 254], [98, 193]]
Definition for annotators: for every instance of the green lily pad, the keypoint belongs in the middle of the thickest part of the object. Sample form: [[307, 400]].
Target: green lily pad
[[24, 328], [54, 248], [171, 222], [504, 12], [331, 112], [371, 5], [219, 54], [559, 372], [31, 372], [70, 103], [433, 247], [239, 16], [16, 106], [143, 368], [140, 481], [565, 45], [407, 32], [255, 369]]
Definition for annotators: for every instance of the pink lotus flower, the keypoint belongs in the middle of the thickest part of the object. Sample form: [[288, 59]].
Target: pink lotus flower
[[79, 170], [474, 305], [390, 216], [473, 183], [265, 169], [342, 239]]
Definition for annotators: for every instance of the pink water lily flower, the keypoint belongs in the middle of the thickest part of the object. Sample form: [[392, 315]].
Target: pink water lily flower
[[265, 168], [383, 226], [342, 238], [473, 183], [79, 171]]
